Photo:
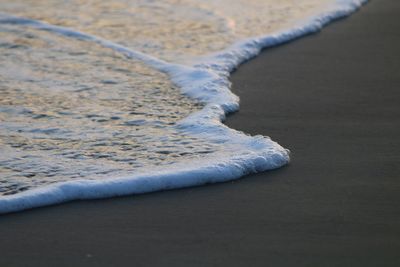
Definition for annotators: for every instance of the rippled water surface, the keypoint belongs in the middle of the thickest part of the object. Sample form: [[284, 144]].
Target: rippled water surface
[[175, 30], [72, 109]]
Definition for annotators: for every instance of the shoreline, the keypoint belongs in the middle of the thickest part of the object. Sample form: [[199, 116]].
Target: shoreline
[[212, 75], [336, 203]]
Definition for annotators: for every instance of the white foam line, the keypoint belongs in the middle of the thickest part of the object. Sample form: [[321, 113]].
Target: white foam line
[[198, 83], [179, 176], [229, 59], [208, 81]]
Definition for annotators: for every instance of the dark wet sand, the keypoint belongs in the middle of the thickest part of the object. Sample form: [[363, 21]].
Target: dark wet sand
[[334, 99]]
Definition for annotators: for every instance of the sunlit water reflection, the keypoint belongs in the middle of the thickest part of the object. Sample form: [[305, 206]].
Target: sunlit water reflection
[[71, 109]]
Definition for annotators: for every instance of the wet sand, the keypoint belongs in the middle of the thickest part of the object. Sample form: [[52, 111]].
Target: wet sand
[[333, 99]]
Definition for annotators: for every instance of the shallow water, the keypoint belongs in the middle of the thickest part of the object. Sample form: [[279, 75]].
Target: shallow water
[[173, 30], [99, 90], [70, 109]]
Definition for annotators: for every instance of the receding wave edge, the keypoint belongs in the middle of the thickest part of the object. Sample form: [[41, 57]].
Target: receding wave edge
[[206, 80]]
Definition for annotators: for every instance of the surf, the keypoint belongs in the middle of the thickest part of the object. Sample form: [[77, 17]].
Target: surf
[[225, 154]]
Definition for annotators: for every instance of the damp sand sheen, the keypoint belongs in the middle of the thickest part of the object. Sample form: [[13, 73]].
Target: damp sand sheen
[[101, 99]]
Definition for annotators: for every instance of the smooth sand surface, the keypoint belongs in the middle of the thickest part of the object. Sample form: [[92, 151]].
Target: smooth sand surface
[[334, 99]]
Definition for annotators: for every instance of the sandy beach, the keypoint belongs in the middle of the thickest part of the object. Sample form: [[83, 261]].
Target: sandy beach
[[333, 99]]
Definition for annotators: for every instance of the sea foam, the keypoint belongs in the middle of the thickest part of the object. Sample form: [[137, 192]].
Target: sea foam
[[203, 78]]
